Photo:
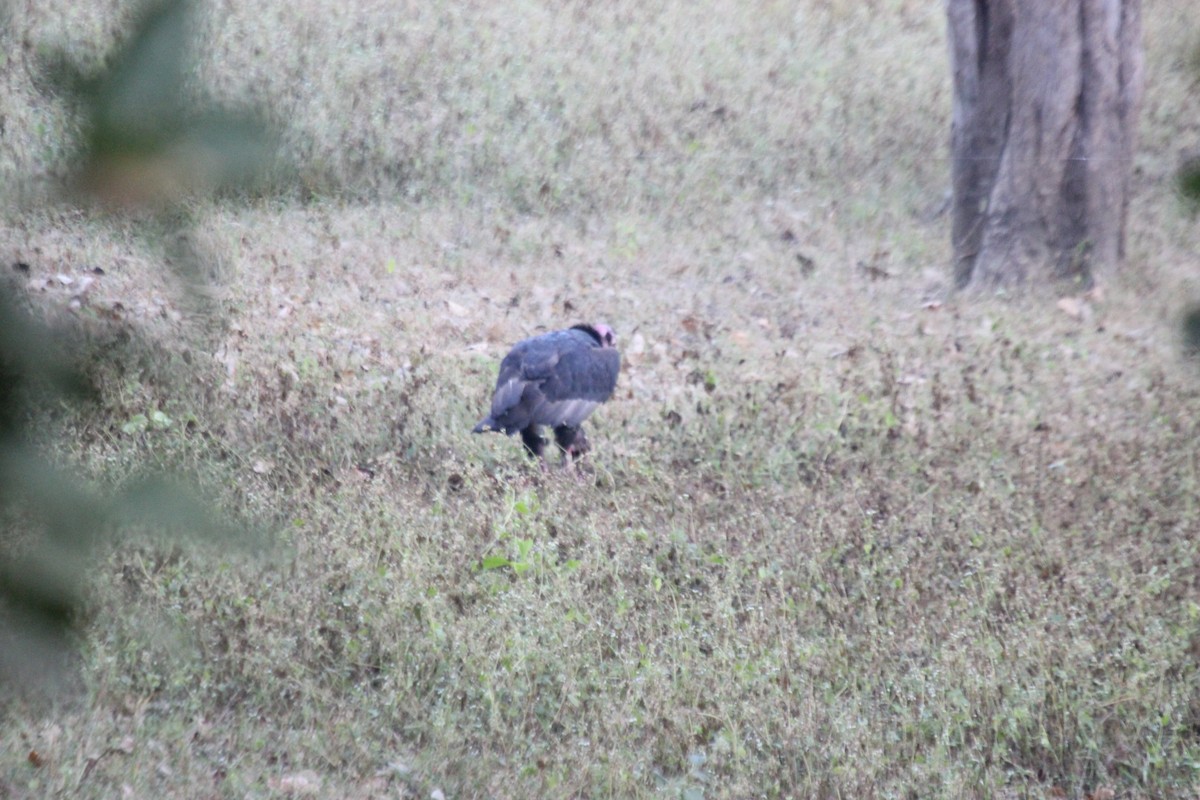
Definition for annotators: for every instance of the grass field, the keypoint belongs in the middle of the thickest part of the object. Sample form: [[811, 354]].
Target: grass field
[[842, 534]]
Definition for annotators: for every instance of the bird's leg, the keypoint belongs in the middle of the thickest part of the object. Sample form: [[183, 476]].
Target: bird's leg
[[564, 437], [573, 442], [581, 446], [534, 443]]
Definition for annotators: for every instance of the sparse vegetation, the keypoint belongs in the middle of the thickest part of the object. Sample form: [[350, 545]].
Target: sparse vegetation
[[844, 535]]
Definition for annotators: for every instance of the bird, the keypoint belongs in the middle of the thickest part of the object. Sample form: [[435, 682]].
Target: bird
[[556, 379]]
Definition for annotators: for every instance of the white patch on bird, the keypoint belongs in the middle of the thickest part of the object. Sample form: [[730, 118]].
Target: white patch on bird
[[574, 412], [568, 411]]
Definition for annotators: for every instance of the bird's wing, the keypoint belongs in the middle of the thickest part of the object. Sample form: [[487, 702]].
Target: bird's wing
[[537, 358], [527, 365], [588, 373], [581, 380], [509, 388]]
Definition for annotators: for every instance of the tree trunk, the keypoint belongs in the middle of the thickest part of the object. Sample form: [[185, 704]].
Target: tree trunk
[[1046, 96]]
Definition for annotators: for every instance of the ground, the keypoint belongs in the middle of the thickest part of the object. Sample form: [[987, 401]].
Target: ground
[[842, 533]]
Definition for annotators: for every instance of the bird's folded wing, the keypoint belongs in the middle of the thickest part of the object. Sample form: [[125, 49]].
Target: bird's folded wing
[[585, 374], [536, 363], [508, 394]]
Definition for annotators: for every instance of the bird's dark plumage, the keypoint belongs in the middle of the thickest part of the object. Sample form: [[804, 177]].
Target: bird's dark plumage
[[556, 379]]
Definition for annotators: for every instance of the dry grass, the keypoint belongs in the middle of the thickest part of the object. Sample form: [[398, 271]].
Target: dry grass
[[842, 535]]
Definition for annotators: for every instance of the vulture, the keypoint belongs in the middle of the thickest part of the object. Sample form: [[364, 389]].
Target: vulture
[[556, 379]]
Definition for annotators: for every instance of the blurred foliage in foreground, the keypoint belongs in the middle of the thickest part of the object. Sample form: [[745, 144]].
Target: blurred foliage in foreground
[[1187, 182], [147, 146], [147, 143]]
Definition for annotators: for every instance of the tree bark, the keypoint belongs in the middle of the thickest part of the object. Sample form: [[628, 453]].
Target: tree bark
[[1046, 97]]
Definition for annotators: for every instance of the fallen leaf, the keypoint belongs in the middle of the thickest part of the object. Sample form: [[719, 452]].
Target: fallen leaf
[[398, 768], [306, 783], [1071, 306]]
